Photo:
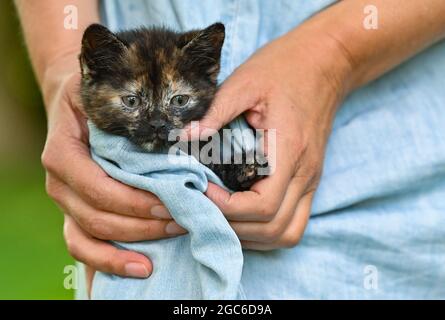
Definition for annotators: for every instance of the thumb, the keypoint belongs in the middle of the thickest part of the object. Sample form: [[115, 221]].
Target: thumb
[[229, 102]]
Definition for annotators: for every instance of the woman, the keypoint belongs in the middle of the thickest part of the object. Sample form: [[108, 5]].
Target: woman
[[377, 211]]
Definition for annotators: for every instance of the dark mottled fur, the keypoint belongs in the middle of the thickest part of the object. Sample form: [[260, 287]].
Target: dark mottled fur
[[154, 65]]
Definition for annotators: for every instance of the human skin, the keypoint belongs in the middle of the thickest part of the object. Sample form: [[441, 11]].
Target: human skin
[[294, 85]]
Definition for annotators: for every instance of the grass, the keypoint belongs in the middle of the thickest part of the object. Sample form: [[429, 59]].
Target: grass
[[32, 250]]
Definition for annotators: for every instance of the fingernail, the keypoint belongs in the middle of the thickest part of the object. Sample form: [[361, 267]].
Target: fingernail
[[174, 228], [136, 270], [160, 212]]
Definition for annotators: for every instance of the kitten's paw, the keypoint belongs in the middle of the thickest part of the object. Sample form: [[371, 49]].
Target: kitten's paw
[[240, 177], [248, 174]]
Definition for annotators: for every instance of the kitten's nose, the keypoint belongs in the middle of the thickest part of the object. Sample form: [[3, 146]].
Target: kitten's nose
[[157, 124]]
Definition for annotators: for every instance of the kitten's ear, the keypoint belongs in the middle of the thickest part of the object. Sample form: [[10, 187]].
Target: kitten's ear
[[202, 49], [100, 50]]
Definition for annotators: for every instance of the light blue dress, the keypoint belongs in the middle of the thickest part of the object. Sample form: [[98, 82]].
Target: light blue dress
[[377, 228]]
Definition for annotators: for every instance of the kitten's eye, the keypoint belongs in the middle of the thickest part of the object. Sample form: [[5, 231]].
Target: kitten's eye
[[131, 101], [179, 100]]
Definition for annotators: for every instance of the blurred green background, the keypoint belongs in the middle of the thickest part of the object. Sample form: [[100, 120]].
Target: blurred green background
[[32, 251]]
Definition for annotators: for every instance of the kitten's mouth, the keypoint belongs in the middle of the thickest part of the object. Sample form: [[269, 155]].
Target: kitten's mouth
[[155, 142]]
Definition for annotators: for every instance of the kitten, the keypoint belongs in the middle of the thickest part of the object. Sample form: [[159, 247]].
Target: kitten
[[143, 83]]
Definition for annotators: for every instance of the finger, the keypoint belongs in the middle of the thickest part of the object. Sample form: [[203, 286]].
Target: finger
[[268, 232], [233, 98], [259, 203], [109, 226], [252, 205], [102, 256], [76, 168], [293, 233], [89, 275]]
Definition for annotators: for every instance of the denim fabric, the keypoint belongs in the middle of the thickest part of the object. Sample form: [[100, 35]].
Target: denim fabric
[[377, 228], [204, 264]]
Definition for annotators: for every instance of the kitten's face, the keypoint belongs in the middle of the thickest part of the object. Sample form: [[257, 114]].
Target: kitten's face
[[142, 84]]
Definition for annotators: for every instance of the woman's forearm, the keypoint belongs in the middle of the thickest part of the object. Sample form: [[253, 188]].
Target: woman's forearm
[[403, 29], [47, 37]]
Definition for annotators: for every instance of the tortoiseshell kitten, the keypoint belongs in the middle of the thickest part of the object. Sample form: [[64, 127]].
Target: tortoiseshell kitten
[[142, 83]]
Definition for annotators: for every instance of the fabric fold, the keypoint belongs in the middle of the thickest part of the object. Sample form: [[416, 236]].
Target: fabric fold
[[204, 264]]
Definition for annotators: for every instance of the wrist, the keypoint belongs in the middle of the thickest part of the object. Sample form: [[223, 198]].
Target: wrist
[[332, 58], [58, 73]]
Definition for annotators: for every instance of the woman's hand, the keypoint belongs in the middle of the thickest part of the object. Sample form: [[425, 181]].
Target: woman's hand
[[96, 207], [293, 85]]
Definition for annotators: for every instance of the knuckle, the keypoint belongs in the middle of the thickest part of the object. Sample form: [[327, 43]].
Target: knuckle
[[313, 174], [54, 190], [97, 227], [44, 158], [268, 210], [72, 246], [154, 230], [139, 206], [301, 146], [112, 263], [47, 158], [96, 196], [109, 264], [50, 157], [51, 190], [291, 240], [272, 232], [314, 168], [73, 250]]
